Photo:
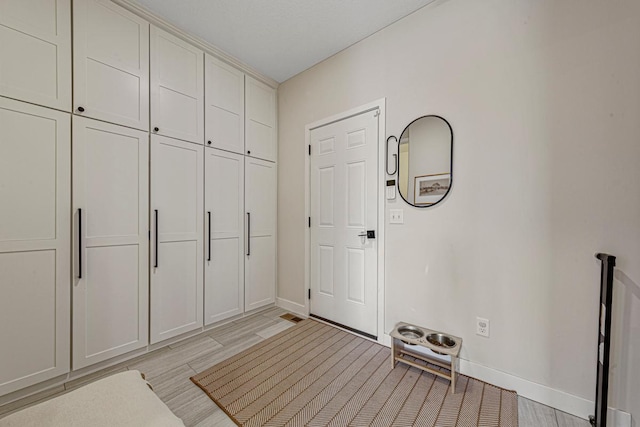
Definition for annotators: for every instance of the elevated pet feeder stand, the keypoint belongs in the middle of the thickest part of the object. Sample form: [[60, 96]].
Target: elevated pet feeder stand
[[405, 334]]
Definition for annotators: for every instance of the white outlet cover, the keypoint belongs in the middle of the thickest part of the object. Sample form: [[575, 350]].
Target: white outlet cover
[[482, 327]]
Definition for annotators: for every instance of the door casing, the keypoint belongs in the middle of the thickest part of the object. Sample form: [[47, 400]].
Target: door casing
[[380, 105]]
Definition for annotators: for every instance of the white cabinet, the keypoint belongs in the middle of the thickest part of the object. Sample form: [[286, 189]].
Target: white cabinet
[[35, 51], [224, 228], [110, 64], [177, 194], [110, 240], [224, 109], [260, 124], [260, 259], [177, 88], [35, 200]]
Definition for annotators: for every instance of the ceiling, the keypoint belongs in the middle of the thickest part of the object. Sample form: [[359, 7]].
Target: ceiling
[[281, 38]]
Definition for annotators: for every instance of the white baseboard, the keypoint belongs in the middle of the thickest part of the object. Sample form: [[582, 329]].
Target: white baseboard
[[557, 399], [291, 306]]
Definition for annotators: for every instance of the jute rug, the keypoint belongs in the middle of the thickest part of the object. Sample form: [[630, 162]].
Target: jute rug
[[313, 374]]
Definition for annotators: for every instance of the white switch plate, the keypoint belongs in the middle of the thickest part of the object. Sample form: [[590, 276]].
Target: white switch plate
[[396, 216]]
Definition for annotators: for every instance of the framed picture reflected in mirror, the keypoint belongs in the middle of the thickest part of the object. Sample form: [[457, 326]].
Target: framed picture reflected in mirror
[[430, 189]]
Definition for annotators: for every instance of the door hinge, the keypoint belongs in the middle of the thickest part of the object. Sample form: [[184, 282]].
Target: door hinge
[[149, 235], [309, 294], [309, 149], [309, 222]]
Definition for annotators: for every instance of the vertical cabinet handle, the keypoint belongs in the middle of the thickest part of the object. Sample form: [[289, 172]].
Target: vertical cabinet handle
[[209, 214], [157, 238], [79, 243], [248, 233]]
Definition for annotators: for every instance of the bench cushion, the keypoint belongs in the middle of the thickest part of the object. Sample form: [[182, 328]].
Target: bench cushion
[[122, 399]]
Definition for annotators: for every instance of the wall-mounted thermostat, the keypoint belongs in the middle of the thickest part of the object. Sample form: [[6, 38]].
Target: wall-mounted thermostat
[[391, 189]]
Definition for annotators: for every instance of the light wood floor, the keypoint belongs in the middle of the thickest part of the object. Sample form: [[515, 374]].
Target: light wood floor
[[168, 370]]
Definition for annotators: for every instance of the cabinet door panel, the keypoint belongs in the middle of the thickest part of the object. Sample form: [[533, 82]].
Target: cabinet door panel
[[35, 51], [260, 203], [35, 196], [177, 88], [260, 124], [224, 127], [224, 264], [110, 294], [111, 64], [177, 207]]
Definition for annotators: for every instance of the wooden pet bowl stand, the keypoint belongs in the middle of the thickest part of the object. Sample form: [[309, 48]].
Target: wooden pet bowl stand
[[417, 335]]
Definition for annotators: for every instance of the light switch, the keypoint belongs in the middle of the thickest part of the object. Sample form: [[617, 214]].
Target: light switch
[[396, 216]]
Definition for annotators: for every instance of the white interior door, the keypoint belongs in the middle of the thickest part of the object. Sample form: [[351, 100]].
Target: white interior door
[[224, 111], [177, 88], [224, 228], [35, 201], [260, 123], [110, 63], [260, 258], [177, 180], [111, 244], [35, 51], [344, 179]]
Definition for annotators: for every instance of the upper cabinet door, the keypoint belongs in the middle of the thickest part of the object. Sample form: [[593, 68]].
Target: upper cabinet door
[[35, 51], [260, 126], [177, 88], [224, 127], [111, 64]]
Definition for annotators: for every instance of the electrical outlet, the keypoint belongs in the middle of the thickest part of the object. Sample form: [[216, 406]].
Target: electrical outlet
[[482, 327]]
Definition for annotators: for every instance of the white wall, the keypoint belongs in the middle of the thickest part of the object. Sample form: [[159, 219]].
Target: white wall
[[544, 100]]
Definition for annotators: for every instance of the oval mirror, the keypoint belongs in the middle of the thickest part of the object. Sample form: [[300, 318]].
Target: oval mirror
[[425, 161]]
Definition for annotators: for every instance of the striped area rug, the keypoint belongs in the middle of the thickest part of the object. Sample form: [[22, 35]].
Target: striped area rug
[[313, 374]]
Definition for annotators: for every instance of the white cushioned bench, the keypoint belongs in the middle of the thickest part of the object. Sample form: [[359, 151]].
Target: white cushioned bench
[[123, 399]]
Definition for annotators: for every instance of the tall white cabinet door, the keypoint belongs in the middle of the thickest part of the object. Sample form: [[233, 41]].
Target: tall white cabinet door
[[224, 228], [177, 207], [260, 125], [260, 258], [35, 51], [110, 64], [177, 88], [224, 109], [35, 197], [110, 240]]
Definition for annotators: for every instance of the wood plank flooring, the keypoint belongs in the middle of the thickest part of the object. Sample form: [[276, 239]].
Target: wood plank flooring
[[168, 370]]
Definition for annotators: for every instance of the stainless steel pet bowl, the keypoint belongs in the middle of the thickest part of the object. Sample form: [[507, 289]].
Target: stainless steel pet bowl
[[410, 332], [441, 340]]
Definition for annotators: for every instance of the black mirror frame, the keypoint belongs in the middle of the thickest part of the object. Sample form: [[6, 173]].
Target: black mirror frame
[[450, 162]]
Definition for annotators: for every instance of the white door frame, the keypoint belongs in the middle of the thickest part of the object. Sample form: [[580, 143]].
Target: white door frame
[[379, 104]]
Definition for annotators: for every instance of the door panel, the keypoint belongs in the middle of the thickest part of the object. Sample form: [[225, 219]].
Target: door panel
[[177, 214], [110, 292], [35, 196], [111, 63], [177, 88], [35, 51], [260, 123], [224, 263], [343, 205], [260, 204], [224, 127]]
